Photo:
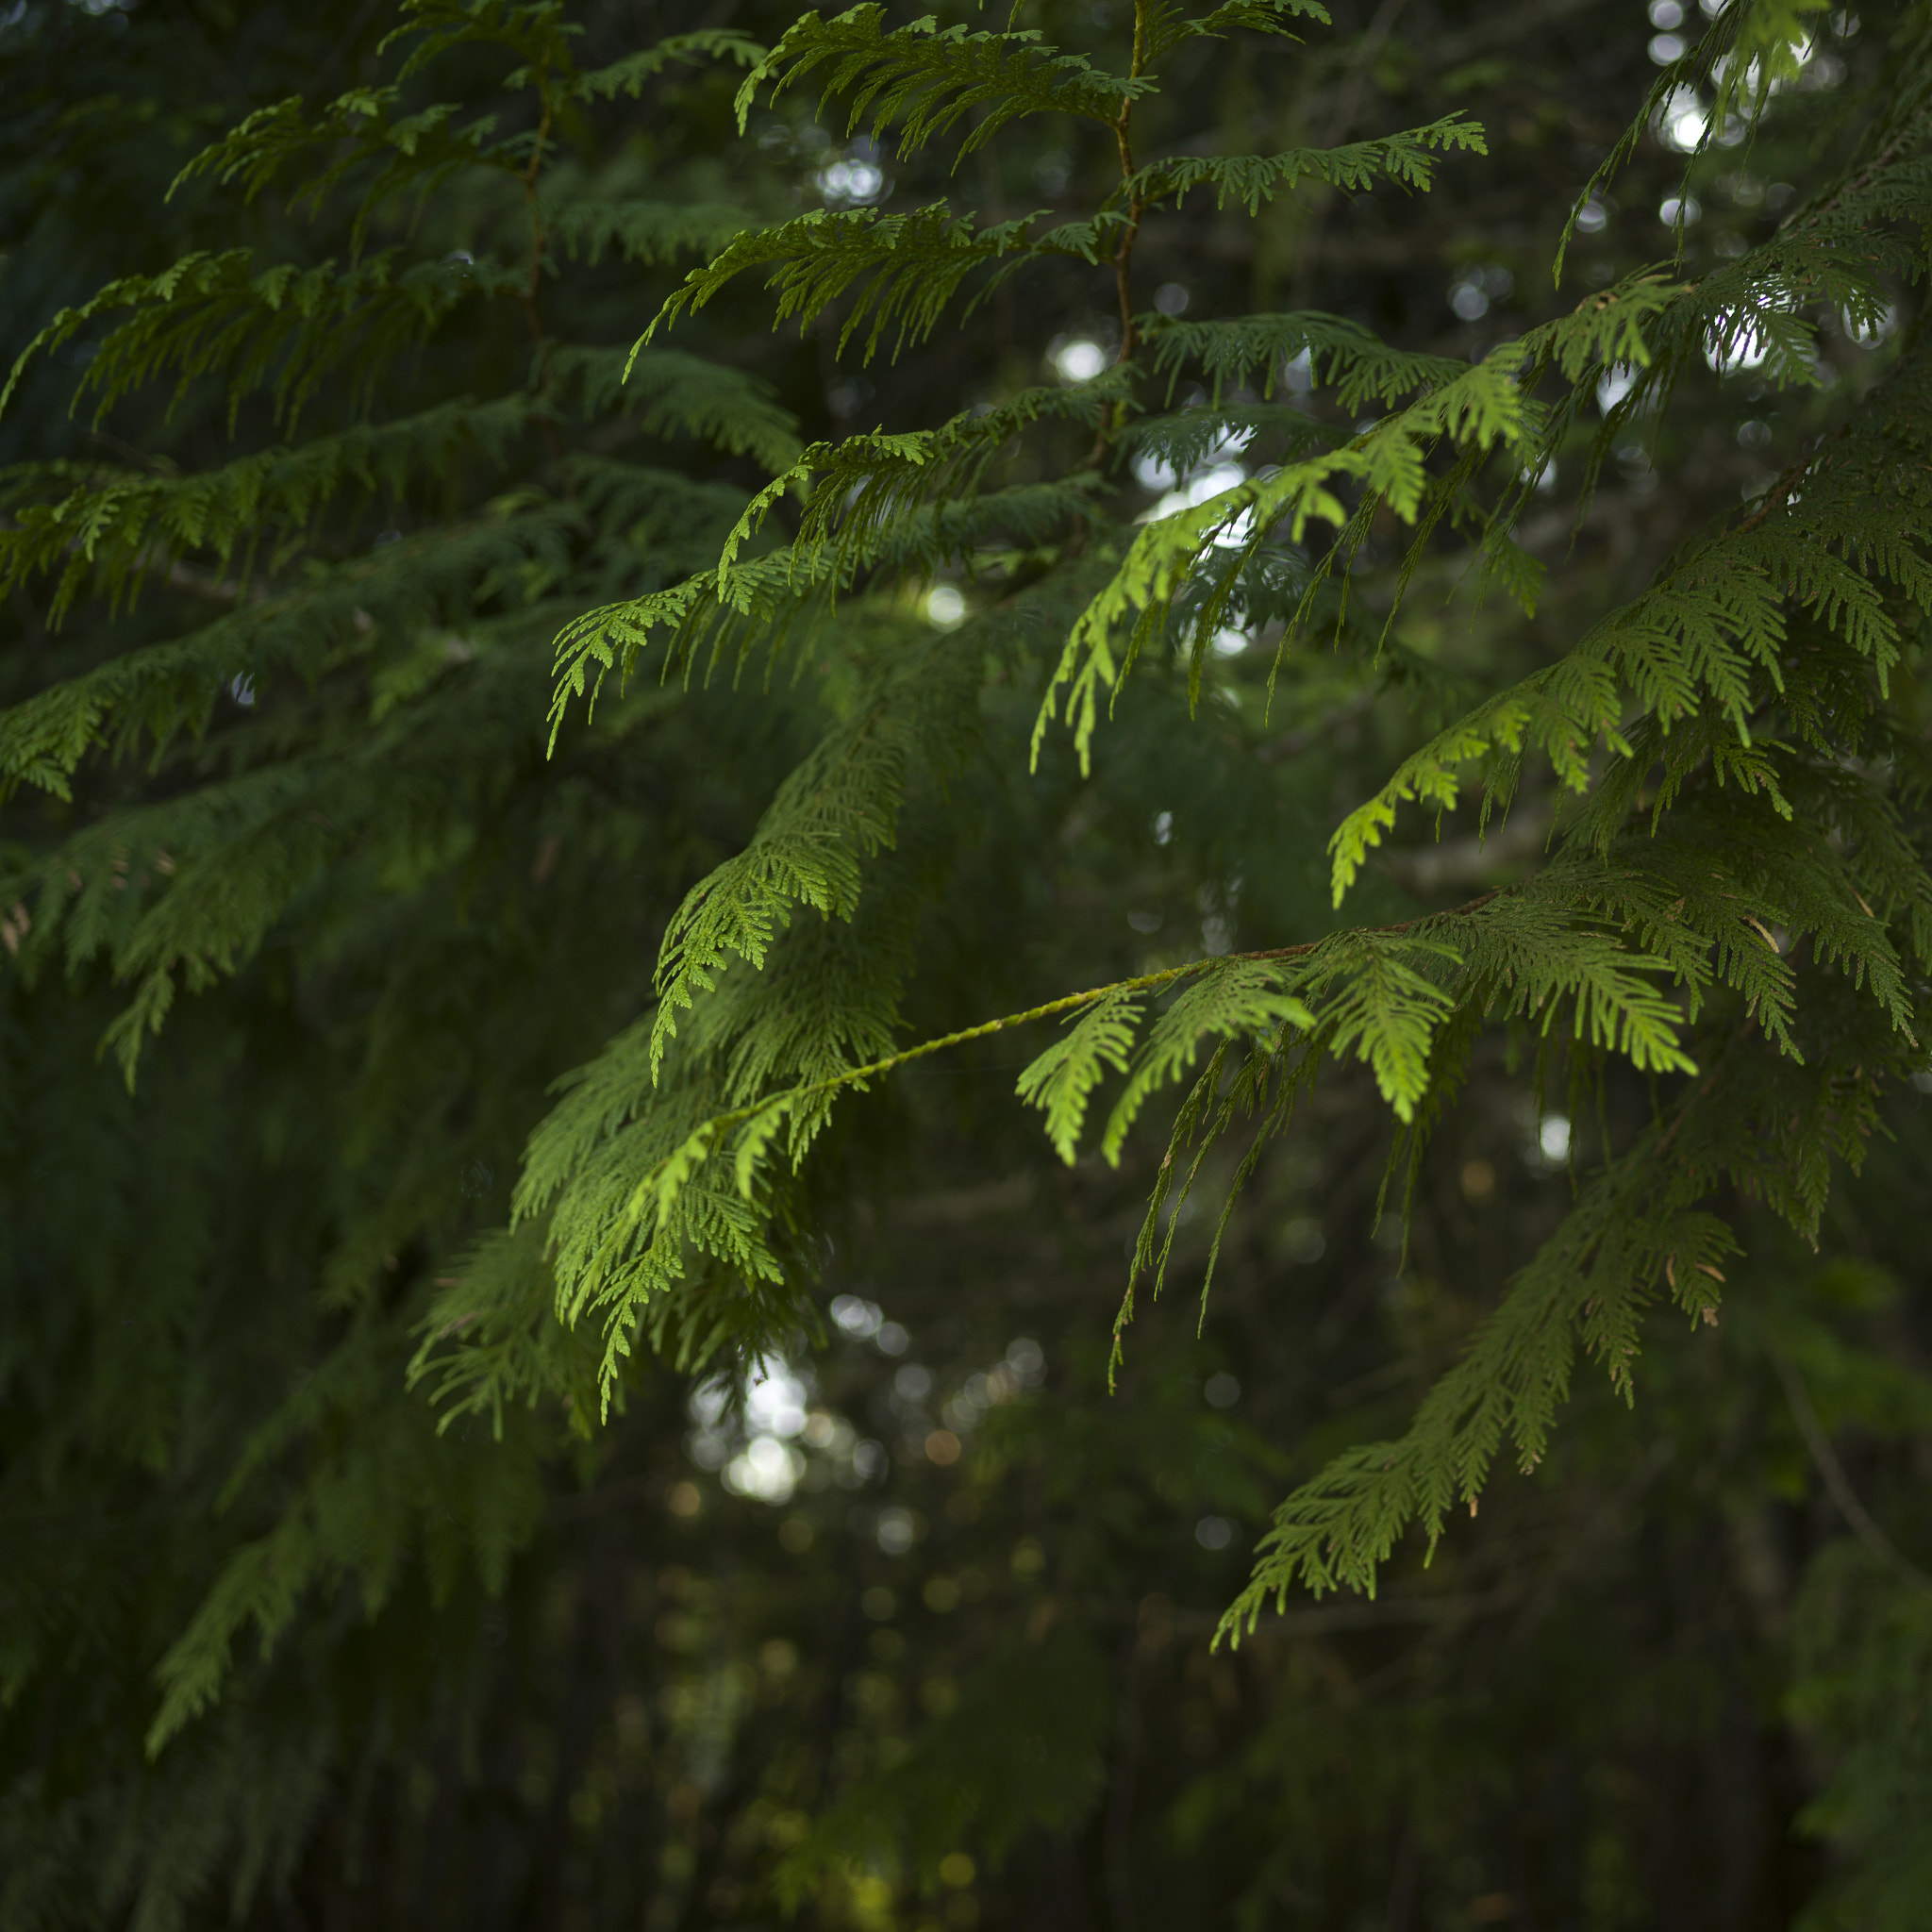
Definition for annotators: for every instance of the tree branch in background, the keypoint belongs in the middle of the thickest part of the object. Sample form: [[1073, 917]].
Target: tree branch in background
[[1838, 1485]]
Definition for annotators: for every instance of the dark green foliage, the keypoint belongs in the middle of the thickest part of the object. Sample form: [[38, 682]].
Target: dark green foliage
[[548, 826], [1024, 1748]]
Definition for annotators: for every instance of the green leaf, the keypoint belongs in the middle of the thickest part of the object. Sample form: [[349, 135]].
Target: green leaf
[[1061, 1081], [1229, 1000], [924, 80]]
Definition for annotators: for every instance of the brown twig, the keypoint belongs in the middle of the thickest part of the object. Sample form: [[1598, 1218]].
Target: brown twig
[[1137, 206], [1800, 219], [1838, 1485], [1305, 946], [1780, 491]]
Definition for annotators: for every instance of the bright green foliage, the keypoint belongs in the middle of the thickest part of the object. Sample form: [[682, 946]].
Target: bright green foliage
[[870, 656], [1060, 1081], [1760, 655], [1753, 671]]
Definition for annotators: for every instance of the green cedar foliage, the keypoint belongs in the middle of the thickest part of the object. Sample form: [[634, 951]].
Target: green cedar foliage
[[1735, 904], [434, 478]]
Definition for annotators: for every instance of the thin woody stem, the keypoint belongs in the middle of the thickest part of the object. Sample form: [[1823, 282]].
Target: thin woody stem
[[722, 1124], [1123, 250], [1837, 1483], [534, 280], [1779, 492]]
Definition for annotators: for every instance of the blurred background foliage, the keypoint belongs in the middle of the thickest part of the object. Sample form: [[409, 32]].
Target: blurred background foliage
[[909, 1626]]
